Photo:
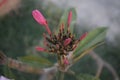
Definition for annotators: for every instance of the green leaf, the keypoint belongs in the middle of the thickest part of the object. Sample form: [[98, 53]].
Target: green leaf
[[75, 59], [95, 36], [86, 77], [35, 60], [64, 18]]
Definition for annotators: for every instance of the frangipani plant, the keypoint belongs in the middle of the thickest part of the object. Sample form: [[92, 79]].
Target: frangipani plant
[[62, 43]]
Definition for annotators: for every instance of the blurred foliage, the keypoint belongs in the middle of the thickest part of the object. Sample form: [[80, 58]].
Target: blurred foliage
[[86, 77], [19, 33]]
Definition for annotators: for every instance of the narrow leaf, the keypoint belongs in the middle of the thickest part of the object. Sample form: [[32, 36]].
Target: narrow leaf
[[95, 36], [35, 60], [75, 59]]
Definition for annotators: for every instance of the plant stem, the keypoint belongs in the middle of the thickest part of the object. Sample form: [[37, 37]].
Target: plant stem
[[60, 75]]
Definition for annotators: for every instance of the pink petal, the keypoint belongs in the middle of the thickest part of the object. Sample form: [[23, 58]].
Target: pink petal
[[69, 18], [67, 41], [40, 48], [39, 17], [83, 36]]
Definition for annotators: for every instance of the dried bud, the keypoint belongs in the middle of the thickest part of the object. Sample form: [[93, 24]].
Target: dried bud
[[62, 27]]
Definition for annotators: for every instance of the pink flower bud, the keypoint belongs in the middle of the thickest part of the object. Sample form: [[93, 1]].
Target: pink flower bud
[[40, 48], [41, 20], [69, 18], [39, 17], [83, 36], [67, 41], [66, 61]]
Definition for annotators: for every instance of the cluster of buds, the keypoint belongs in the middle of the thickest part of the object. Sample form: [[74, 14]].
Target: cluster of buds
[[61, 43]]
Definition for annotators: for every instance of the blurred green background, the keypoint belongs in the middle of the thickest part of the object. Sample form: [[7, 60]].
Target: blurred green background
[[19, 34]]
